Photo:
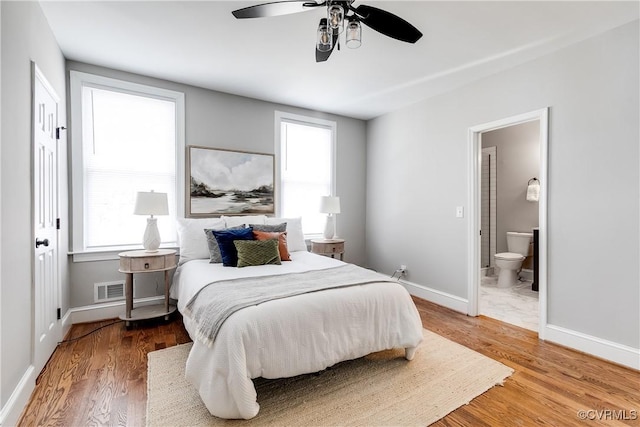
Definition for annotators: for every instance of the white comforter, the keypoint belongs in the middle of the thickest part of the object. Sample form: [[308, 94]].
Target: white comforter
[[286, 337]]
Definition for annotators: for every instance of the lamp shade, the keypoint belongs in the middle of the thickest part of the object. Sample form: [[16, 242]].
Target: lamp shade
[[330, 204], [151, 203]]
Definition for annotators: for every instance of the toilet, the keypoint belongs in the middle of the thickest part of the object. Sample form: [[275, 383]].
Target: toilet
[[510, 262]]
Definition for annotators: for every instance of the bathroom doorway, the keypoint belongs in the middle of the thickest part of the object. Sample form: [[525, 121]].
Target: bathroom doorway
[[508, 160]]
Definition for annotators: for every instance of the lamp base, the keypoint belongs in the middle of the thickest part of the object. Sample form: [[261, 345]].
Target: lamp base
[[151, 238], [330, 228]]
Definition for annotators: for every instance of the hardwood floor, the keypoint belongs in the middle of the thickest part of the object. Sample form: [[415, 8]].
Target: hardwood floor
[[101, 379]]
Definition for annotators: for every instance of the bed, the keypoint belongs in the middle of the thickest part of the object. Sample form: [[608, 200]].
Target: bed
[[291, 334]]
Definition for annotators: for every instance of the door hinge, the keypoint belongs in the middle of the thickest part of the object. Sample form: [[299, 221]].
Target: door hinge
[[59, 313], [58, 131], [57, 223]]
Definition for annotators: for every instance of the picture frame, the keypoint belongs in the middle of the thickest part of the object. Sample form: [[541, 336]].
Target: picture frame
[[229, 182]]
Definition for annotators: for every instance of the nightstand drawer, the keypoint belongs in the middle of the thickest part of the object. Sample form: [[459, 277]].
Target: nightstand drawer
[[327, 248], [147, 263], [150, 263]]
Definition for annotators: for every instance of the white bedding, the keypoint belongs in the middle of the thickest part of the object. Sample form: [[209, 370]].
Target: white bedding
[[291, 336]]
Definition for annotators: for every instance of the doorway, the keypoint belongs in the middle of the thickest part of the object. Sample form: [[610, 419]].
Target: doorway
[[497, 240]]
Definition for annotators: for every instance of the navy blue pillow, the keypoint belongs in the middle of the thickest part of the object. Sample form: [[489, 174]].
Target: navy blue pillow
[[225, 238]]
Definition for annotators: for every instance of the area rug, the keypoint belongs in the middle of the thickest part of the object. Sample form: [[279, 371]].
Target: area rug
[[381, 389]]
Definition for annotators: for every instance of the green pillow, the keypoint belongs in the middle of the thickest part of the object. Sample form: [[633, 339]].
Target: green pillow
[[257, 252]]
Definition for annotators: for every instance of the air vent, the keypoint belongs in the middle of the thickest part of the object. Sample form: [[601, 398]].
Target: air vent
[[108, 291]]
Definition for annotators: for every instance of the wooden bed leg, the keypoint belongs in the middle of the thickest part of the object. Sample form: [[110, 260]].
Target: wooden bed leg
[[409, 352]]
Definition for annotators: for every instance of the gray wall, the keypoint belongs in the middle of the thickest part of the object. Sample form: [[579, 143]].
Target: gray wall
[[417, 163], [518, 160], [26, 36], [215, 119]]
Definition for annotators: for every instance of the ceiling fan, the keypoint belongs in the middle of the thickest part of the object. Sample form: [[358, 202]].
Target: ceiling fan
[[333, 25]]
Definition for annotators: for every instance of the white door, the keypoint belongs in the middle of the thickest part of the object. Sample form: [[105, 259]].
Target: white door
[[47, 330]]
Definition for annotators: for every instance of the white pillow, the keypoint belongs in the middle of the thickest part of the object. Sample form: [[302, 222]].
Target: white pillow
[[234, 221], [191, 237], [295, 236]]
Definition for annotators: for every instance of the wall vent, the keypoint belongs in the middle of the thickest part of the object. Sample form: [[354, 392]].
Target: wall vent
[[108, 291]]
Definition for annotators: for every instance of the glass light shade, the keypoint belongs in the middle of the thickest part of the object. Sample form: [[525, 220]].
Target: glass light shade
[[354, 34], [335, 17], [325, 41]]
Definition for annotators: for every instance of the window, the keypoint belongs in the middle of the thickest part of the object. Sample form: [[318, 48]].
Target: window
[[305, 150], [126, 138]]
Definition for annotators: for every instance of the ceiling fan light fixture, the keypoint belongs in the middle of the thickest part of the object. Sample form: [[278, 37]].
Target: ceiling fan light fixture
[[353, 37], [324, 41], [335, 17], [332, 25]]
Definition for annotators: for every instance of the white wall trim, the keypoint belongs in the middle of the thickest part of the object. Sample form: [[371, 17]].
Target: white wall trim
[[283, 116], [65, 323], [435, 296], [109, 310], [473, 242], [609, 350], [77, 80], [11, 411]]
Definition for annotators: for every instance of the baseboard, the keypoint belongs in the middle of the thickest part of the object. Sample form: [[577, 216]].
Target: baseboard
[[438, 297], [66, 324], [11, 411], [608, 350], [108, 310]]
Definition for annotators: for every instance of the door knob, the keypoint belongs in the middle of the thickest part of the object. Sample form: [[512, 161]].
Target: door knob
[[39, 242]]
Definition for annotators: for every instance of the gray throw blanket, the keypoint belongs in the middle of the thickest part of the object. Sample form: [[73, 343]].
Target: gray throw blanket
[[212, 305]]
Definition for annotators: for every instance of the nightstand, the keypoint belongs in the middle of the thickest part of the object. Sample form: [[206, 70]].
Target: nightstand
[[331, 247], [132, 262]]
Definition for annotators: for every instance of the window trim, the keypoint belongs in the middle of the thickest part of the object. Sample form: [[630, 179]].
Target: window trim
[[77, 80], [282, 116]]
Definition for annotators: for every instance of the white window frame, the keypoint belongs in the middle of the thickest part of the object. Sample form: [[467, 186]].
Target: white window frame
[[281, 116], [78, 80]]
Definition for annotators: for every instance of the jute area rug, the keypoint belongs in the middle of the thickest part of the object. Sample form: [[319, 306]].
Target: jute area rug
[[380, 389]]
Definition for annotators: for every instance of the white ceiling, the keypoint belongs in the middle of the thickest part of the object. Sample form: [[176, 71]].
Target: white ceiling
[[200, 43]]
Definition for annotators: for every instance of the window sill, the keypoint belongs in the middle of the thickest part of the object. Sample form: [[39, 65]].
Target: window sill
[[108, 254]]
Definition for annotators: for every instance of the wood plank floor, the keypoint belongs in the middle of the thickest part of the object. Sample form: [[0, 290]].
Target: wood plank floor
[[101, 379]]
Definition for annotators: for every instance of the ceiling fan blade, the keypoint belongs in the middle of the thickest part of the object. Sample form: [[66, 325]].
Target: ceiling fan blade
[[323, 56], [275, 9], [387, 23]]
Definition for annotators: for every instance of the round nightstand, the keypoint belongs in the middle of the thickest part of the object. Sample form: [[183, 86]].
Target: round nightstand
[[147, 262], [331, 247]]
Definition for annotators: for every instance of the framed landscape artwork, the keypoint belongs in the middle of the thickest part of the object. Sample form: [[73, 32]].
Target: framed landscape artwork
[[226, 182]]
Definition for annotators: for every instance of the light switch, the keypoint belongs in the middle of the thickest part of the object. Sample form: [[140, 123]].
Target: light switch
[[460, 212]]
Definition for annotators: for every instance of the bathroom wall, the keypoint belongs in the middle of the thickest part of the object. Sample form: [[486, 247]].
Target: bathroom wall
[[518, 160]]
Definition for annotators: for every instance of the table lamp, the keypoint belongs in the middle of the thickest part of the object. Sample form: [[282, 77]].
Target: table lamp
[[331, 206], [151, 203]]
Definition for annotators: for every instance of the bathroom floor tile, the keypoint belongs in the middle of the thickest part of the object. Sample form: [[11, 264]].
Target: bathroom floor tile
[[517, 305]]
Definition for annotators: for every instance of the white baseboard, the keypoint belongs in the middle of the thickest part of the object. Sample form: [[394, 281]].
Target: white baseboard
[[108, 310], [11, 411], [66, 323], [438, 297], [617, 353]]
